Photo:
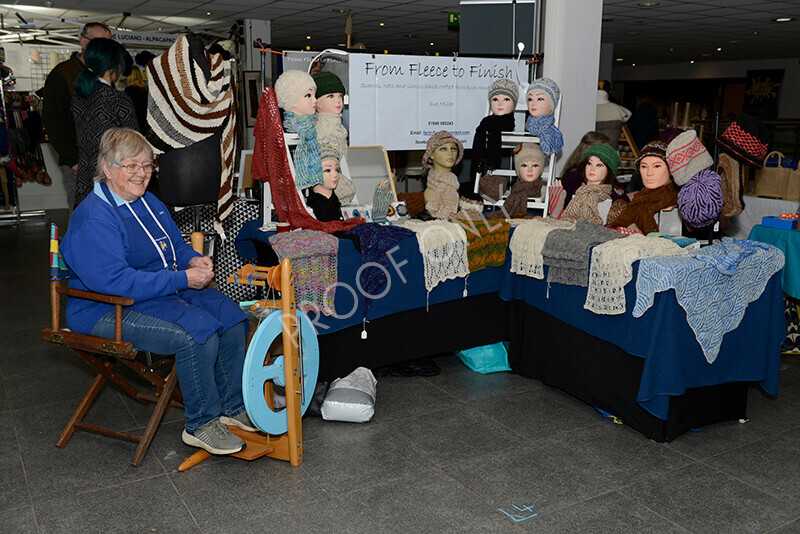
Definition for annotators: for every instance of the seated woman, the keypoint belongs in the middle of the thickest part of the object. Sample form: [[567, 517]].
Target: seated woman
[[599, 169], [122, 241]]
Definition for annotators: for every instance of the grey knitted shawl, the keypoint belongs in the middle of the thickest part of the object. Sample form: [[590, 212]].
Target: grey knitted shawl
[[567, 252]]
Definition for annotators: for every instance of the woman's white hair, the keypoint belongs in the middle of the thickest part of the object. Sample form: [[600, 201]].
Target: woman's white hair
[[118, 144]]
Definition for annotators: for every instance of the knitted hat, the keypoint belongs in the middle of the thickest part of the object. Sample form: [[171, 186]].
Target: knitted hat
[[527, 152], [747, 140], [606, 153], [700, 200], [686, 156], [504, 86], [328, 152], [653, 148], [548, 86], [327, 83], [438, 139], [291, 86]]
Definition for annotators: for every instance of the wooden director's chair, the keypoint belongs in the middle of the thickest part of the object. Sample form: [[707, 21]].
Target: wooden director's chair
[[103, 355]]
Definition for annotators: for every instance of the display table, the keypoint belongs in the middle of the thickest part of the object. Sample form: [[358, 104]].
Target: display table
[[755, 208], [788, 241]]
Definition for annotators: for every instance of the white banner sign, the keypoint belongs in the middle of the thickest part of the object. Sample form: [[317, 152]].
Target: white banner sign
[[400, 101], [144, 38]]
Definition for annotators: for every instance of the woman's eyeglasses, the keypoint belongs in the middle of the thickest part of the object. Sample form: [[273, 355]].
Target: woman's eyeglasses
[[133, 168]]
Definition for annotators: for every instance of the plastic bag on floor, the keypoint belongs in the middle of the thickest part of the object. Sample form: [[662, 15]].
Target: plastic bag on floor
[[351, 399]]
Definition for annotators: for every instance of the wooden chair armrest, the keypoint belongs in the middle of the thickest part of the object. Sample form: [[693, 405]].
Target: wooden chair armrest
[[97, 297]]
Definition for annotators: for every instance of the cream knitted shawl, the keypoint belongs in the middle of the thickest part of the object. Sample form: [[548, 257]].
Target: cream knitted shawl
[[611, 269], [443, 246], [444, 202], [331, 132], [527, 243]]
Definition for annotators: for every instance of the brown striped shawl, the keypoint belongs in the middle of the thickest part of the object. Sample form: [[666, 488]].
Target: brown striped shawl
[[183, 107], [487, 240]]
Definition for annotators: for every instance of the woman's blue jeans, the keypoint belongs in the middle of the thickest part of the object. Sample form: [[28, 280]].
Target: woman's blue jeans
[[210, 373]]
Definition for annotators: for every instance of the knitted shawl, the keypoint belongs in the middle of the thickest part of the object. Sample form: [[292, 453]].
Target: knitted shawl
[[713, 285], [612, 268], [487, 143], [487, 241], [307, 161], [527, 243], [443, 246], [376, 239], [345, 189], [444, 202], [184, 107], [331, 132], [314, 256], [583, 206], [271, 164], [642, 209], [521, 191], [566, 252], [544, 127]]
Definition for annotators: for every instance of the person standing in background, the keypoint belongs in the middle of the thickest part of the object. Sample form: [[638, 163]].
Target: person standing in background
[[57, 105], [137, 90]]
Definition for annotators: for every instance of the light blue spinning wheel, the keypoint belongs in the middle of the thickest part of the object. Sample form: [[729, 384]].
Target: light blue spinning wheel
[[256, 374]]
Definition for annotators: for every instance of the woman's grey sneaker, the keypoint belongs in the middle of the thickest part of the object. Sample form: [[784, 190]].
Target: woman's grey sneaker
[[241, 420], [214, 437]]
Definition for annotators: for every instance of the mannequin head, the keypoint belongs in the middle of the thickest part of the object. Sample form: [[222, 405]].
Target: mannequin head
[[330, 177], [588, 140], [528, 162], [599, 164], [330, 93], [503, 95], [542, 97], [296, 92], [652, 165], [445, 159]]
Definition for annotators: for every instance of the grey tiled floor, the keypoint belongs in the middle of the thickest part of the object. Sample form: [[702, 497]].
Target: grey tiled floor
[[442, 454]]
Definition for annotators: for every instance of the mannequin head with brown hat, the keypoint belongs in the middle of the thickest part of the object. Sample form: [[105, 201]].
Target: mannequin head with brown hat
[[528, 161], [652, 165]]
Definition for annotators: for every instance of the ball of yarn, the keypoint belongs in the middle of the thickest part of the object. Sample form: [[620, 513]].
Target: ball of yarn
[[700, 200]]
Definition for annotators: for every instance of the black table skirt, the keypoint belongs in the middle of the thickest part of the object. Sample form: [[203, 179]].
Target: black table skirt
[[607, 377]]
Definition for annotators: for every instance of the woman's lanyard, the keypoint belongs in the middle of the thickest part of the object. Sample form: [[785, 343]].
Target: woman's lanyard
[[146, 231]]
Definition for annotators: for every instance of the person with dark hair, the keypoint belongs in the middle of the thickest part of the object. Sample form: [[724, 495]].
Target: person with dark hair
[[56, 107], [137, 90], [97, 106]]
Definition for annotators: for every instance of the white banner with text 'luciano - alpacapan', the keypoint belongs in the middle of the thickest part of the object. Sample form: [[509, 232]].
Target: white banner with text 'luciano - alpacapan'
[[400, 101]]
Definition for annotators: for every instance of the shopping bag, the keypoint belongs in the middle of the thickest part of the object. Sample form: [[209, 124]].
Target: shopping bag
[[772, 182], [486, 359]]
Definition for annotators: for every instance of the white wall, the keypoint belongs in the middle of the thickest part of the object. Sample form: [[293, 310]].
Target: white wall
[[788, 105], [571, 59]]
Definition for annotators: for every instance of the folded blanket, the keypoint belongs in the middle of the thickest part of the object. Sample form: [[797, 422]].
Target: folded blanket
[[527, 243], [314, 256], [713, 284], [566, 252], [612, 268], [487, 241], [443, 246]]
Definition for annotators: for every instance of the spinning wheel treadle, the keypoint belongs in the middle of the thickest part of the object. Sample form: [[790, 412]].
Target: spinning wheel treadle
[[257, 372]]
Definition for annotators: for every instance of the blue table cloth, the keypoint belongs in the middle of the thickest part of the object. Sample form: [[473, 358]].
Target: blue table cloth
[[789, 243]]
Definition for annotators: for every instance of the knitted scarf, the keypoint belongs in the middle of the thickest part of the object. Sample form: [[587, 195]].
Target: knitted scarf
[[331, 132], [487, 241], [566, 252], [443, 246], [521, 191], [544, 127], [307, 162], [314, 256], [730, 172], [583, 206], [487, 143], [444, 202], [642, 209], [345, 189], [375, 241], [271, 164], [527, 243], [183, 107]]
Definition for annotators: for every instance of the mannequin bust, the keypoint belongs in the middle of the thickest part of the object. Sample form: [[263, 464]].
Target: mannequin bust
[[539, 103], [330, 131], [542, 99], [529, 163], [598, 167], [322, 197], [444, 151], [487, 142]]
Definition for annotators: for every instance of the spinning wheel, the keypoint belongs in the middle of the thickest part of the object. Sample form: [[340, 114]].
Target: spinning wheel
[[269, 362]]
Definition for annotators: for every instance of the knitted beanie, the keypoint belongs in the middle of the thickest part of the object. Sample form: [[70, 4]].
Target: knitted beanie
[[527, 152], [548, 86], [291, 86], [327, 83], [504, 86], [700, 200], [438, 139], [606, 153], [686, 156], [328, 152], [746, 139], [653, 148]]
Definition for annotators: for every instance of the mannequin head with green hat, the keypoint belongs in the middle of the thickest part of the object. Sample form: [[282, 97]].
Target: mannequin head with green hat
[[330, 93], [599, 164]]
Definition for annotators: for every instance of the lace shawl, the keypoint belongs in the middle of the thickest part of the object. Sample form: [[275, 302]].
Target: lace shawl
[[611, 269], [443, 246], [527, 243]]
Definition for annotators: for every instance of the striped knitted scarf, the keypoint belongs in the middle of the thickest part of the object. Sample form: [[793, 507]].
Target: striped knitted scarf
[[307, 161], [583, 206], [487, 241], [183, 107]]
